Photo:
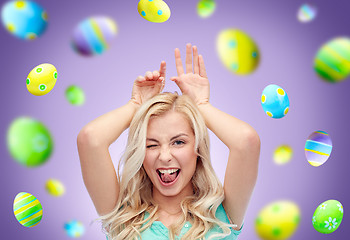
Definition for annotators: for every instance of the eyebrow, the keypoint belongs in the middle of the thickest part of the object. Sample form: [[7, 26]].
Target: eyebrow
[[181, 134]]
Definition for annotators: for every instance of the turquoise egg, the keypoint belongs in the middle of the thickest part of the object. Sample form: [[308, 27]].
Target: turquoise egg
[[318, 148], [24, 19], [27, 209], [332, 62], [93, 36], [275, 101], [328, 216], [29, 142], [74, 228]]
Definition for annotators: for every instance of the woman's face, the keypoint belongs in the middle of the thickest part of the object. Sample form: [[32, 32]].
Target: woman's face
[[170, 159]]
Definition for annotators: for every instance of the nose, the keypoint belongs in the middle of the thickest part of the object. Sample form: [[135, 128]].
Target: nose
[[165, 154]]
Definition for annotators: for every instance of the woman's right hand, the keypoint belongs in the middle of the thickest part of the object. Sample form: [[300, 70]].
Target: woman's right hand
[[145, 87]]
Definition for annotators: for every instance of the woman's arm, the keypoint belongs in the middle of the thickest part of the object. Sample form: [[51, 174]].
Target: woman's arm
[[241, 139], [94, 139]]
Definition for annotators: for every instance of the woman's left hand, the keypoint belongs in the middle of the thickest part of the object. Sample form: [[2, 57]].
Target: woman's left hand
[[194, 82]]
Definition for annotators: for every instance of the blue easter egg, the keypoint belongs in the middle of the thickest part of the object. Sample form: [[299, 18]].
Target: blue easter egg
[[318, 148], [93, 35], [74, 228], [275, 101], [24, 19]]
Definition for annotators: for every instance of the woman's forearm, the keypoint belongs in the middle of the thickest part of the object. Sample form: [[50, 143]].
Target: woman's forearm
[[105, 129], [233, 132]]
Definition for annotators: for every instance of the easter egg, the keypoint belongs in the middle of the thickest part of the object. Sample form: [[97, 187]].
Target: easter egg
[[307, 13], [332, 61], [278, 220], [27, 209], [154, 10], [328, 216], [29, 142], [205, 8], [41, 79], [275, 101], [75, 95], [55, 187], [93, 36], [237, 51], [24, 19], [74, 228], [283, 154], [318, 148]]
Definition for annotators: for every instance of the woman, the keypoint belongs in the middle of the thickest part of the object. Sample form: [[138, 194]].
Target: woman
[[168, 188]]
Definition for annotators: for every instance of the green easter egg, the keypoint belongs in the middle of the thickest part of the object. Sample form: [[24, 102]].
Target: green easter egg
[[328, 216], [29, 142], [237, 51], [206, 8], [332, 61], [75, 95], [27, 209]]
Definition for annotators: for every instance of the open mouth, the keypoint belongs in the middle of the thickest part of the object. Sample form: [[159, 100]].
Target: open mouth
[[168, 177]]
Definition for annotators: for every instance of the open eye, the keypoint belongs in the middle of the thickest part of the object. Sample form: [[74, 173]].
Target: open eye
[[179, 142]]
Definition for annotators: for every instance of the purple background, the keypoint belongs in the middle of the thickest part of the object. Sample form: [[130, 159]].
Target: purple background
[[287, 49]]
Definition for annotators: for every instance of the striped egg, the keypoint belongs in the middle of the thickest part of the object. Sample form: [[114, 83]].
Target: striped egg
[[332, 61], [237, 51], [275, 101], [27, 209], [307, 13], [93, 35], [318, 148]]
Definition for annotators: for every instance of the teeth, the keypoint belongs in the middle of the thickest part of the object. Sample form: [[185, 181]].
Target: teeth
[[169, 171]]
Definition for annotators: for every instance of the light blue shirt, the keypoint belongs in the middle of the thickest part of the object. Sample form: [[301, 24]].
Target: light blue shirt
[[157, 231]]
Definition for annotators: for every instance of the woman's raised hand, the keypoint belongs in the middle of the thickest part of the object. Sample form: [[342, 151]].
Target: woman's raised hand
[[194, 82], [145, 87]]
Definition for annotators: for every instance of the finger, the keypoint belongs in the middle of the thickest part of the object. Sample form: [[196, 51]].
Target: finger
[[175, 79], [188, 58], [162, 84], [202, 71], [148, 75], [162, 69], [140, 78], [178, 62], [156, 75], [195, 60]]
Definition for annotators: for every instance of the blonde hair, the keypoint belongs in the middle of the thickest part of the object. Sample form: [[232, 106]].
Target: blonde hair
[[127, 221]]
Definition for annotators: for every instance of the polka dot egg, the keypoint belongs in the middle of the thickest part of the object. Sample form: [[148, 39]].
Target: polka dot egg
[[237, 51], [55, 187], [318, 148], [93, 35], [328, 216], [74, 228], [154, 10], [29, 142], [27, 209], [278, 220], [41, 79], [24, 19], [275, 101], [332, 61], [205, 8]]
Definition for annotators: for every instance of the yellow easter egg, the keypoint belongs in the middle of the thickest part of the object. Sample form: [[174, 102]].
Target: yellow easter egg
[[278, 220], [41, 79], [237, 51], [154, 10], [55, 187]]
